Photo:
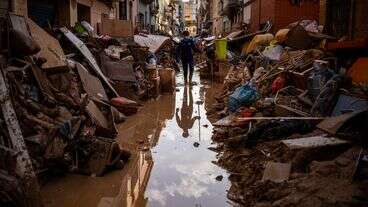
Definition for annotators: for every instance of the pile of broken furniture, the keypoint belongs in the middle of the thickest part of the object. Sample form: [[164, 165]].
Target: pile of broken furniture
[[292, 120], [63, 93]]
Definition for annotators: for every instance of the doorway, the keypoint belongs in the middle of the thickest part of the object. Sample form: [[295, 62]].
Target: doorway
[[84, 13]]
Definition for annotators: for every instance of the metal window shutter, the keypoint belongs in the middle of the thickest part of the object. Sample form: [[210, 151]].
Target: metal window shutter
[[42, 12]]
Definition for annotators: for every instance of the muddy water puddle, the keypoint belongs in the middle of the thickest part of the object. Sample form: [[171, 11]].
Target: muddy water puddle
[[171, 164]]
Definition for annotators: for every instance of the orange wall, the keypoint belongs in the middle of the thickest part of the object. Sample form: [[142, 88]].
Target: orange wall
[[282, 12]]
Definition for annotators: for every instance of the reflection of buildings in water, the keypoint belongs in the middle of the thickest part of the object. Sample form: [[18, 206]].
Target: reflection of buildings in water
[[148, 123], [134, 183], [166, 108], [209, 95]]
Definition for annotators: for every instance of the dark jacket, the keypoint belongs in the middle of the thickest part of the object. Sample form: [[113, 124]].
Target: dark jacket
[[186, 48]]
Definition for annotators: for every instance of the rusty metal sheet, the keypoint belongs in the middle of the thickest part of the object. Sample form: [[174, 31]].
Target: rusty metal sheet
[[91, 84], [88, 55]]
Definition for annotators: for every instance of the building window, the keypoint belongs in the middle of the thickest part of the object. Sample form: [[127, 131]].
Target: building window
[[123, 10], [83, 13]]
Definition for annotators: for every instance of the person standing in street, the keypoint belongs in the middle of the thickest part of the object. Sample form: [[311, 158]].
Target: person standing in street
[[186, 49]]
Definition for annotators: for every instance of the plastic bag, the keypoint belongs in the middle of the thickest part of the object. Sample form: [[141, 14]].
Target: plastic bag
[[244, 95]]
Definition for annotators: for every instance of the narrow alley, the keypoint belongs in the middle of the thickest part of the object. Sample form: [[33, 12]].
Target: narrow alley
[[172, 168], [183, 103]]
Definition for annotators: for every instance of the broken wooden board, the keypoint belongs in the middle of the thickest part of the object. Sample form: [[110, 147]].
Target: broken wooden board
[[18, 23], [276, 172], [88, 55], [117, 28], [96, 115], [42, 81], [277, 118], [333, 124], [91, 84], [153, 42], [227, 121], [50, 48], [24, 167], [313, 142]]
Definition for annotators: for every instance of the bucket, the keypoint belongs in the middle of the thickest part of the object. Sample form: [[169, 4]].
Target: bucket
[[221, 49]]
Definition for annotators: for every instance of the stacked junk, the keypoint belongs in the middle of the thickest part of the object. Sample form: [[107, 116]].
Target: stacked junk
[[63, 93], [291, 120]]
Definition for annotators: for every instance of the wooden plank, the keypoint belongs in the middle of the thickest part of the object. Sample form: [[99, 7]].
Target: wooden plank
[[91, 84], [88, 55], [50, 47], [24, 166], [277, 118], [116, 28], [313, 142], [19, 23], [333, 124]]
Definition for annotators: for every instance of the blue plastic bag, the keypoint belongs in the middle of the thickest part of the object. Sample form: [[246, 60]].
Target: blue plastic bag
[[244, 95]]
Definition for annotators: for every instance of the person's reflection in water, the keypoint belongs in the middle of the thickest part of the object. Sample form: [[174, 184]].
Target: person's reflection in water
[[186, 121]]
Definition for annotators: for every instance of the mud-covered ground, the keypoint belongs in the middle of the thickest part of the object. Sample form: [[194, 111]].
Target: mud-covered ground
[[170, 165], [180, 159], [323, 176]]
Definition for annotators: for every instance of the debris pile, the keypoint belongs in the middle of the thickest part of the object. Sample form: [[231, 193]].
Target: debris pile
[[291, 120], [69, 89]]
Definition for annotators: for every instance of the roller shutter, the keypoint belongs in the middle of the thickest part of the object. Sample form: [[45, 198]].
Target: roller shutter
[[43, 12]]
